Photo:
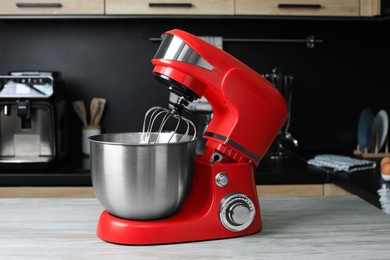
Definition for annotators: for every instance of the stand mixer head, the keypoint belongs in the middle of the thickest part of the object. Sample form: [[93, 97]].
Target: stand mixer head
[[248, 111]]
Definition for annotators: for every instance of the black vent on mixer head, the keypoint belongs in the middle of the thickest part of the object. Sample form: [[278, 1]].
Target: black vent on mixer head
[[176, 87]]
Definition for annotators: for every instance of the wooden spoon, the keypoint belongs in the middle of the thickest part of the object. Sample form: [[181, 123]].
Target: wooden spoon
[[79, 107], [94, 106], [100, 110]]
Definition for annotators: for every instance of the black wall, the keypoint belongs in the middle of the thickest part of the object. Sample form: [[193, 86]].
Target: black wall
[[110, 58]]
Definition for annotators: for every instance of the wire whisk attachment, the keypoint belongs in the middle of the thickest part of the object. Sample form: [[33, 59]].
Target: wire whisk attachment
[[157, 118]]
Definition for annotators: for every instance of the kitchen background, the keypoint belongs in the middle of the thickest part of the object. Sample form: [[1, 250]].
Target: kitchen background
[[110, 58]]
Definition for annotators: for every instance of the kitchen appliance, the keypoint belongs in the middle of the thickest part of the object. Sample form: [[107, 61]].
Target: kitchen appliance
[[248, 113], [32, 120]]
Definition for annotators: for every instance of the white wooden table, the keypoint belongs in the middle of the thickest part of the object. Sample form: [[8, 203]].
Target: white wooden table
[[343, 227]]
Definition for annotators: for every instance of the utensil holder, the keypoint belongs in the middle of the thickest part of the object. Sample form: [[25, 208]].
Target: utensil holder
[[88, 131]]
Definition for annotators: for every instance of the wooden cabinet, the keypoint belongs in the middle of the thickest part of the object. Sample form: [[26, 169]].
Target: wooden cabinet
[[51, 7], [370, 7], [170, 7], [345, 8], [327, 189], [47, 192], [298, 190]]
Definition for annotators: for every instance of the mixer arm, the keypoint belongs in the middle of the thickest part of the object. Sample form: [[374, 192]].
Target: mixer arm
[[248, 111]]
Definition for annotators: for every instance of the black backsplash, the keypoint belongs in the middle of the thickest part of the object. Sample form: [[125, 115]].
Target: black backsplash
[[110, 58]]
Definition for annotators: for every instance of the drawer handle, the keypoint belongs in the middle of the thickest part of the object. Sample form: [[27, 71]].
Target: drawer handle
[[39, 5], [305, 6], [180, 5]]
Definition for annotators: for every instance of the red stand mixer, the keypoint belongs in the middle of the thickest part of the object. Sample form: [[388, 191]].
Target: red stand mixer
[[248, 113]]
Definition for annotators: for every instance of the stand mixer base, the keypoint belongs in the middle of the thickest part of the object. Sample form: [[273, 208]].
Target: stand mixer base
[[200, 216]]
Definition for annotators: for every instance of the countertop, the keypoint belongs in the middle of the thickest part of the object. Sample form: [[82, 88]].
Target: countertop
[[340, 227]]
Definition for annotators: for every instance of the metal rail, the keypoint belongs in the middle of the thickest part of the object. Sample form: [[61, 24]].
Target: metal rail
[[310, 40]]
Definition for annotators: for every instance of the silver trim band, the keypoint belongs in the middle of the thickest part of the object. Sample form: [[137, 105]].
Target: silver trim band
[[174, 48]]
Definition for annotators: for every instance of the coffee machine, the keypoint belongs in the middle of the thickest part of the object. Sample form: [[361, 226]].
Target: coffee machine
[[33, 129]]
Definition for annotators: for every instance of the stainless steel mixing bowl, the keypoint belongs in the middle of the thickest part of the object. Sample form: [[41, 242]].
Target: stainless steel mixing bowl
[[141, 181]]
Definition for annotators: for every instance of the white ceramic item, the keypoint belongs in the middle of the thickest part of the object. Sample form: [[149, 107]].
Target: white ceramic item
[[87, 132]]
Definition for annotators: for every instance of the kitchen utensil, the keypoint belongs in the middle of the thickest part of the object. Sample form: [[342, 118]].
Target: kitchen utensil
[[93, 108], [142, 181], [285, 142], [222, 201], [99, 111], [366, 130], [152, 117], [81, 111]]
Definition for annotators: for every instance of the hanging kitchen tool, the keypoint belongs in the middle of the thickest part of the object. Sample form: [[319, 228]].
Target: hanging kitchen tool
[[285, 142]]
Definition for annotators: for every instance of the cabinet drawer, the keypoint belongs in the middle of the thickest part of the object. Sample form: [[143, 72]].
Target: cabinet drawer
[[370, 7], [170, 7], [51, 7], [298, 7]]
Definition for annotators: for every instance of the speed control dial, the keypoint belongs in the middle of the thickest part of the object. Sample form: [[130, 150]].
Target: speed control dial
[[236, 211]]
